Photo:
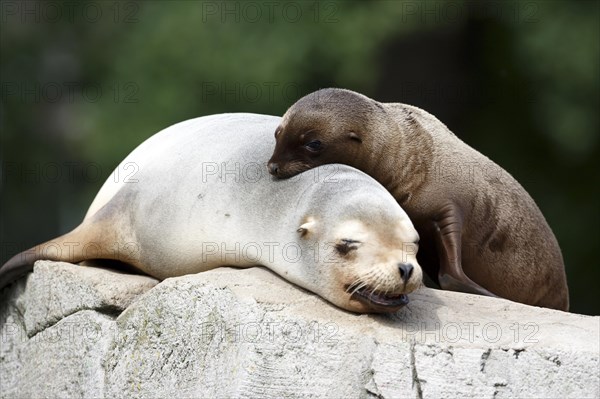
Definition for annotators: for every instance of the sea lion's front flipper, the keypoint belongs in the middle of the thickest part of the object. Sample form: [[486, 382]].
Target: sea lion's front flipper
[[448, 235]]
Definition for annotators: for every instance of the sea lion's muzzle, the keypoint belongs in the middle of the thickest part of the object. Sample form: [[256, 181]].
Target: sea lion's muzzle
[[406, 270], [273, 168]]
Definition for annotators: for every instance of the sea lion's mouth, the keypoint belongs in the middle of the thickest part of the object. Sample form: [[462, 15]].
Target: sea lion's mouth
[[378, 301]]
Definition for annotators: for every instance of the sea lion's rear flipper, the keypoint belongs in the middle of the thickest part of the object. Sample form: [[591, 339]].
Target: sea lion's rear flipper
[[448, 236], [94, 238]]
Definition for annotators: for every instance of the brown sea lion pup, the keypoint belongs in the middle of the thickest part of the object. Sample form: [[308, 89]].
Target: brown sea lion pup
[[480, 230]]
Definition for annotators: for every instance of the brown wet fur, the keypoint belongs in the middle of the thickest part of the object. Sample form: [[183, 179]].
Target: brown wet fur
[[480, 230]]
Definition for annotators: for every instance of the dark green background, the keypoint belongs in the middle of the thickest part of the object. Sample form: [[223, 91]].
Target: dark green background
[[84, 83]]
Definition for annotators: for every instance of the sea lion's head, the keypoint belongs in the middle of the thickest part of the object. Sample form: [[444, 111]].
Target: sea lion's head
[[327, 126], [360, 248]]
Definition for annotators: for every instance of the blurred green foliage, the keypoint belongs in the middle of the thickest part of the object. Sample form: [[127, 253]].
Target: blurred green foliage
[[84, 83]]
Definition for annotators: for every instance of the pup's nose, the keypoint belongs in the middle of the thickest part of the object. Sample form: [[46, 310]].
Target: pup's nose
[[406, 270], [273, 168]]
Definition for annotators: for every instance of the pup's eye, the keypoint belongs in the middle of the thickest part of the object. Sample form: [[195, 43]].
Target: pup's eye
[[277, 131], [346, 245], [314, 145]]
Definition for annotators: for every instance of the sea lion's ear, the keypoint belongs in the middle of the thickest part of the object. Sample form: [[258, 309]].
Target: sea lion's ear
[[305, 228], [354, 136]]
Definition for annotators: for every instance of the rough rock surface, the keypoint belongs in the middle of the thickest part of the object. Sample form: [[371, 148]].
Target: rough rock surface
[[73, 331]]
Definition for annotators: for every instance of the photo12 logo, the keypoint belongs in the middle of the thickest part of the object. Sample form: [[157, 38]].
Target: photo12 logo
[[54, 12], [69, 92], [270, 11], [255, 332], [253, 172], [249, 92], [51, 172], [471, 331]]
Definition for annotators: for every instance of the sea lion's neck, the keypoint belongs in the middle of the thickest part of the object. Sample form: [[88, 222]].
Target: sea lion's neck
[[399, 140]]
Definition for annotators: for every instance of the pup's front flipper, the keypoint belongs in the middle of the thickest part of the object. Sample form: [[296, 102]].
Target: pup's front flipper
[[448, 236]]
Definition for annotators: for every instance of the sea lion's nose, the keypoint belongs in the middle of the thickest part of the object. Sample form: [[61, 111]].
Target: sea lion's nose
[[406, 270], [273, 168]]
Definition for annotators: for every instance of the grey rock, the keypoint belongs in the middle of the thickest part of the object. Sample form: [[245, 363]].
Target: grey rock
[[66, 359], [55, 291], [69, 331]]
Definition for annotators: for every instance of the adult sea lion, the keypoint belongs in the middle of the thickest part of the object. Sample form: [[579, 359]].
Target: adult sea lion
[[480, 230], [197, 196]]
